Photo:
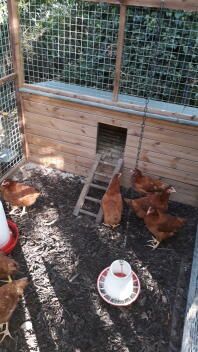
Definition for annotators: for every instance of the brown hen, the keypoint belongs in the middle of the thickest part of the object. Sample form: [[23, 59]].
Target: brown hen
[[162, 225], [18, 194], [9, 297], [158, 201], [8, 267], [111, 203], [146, 185]]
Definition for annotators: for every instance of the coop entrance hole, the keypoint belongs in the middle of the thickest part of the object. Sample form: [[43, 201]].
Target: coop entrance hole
[[111, 141]]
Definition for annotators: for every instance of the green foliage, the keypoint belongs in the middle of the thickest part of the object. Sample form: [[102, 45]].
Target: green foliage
[[5, 55], [76, 42]]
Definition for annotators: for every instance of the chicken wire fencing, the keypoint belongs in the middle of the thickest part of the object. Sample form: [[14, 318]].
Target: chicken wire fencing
[[75, 42], [10, 138], [72, 42], [174, 63]]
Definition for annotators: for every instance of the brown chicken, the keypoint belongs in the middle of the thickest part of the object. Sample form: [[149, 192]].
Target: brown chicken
[[18, 194], [146, 185], [111, 203], [157, 200], [9, 297], [8, 267], [162, 225]]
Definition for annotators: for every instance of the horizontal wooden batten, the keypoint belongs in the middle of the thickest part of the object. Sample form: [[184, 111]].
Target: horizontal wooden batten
[[10, 77], [158, 135], [47, 147], [161, 135], [170, 149], [63, 147], [43, 146], [163, 171], [60, 165], [51, 152], [161, 159], [188, 5], [63, 136], [90, 118], [62, 125], [87, 98]]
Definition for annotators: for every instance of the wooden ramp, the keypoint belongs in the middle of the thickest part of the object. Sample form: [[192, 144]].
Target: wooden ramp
[[89, 183]]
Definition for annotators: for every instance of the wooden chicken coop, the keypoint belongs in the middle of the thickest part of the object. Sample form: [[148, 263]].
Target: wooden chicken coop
[[108, 79], [85, 74]]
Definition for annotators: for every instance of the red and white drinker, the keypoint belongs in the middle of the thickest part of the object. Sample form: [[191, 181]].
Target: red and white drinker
[[5, 233], [119, 283]]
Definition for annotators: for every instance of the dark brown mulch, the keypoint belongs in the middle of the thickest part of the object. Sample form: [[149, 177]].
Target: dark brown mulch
[[62, 310]]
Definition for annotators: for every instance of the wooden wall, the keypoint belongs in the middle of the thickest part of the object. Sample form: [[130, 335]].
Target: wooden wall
[[62, 135]]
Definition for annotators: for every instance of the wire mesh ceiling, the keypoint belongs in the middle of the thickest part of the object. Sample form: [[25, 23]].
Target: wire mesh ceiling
[[76, 42]]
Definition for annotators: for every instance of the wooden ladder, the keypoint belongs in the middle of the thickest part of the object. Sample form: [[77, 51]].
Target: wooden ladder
[[89, 183]]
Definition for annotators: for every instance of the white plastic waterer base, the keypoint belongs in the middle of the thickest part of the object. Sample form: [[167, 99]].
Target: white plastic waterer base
[[5, 233], [115, 302]]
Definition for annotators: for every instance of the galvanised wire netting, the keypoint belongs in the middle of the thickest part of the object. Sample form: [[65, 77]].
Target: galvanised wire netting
[[75, 42], [10, 139], [70, 41], [174, 63], [6, 66]]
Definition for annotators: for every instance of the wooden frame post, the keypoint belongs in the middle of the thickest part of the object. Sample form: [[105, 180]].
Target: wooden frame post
[[14, 30], [119, 52], [186, 5]]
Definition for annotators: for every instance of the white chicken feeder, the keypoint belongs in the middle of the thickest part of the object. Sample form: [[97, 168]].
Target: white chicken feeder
[[5, 233], [118, 285]]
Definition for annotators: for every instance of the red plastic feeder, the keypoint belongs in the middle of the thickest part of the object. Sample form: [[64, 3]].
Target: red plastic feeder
[[8, 248], [119, 287]]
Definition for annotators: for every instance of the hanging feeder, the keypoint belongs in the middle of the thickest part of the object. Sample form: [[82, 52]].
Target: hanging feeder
[[118, 285], [8, 233]]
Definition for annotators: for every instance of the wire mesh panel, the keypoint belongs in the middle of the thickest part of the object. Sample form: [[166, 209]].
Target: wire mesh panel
[[169, 73], [70, 41], [10, 139], [75, 42], [5, 51]]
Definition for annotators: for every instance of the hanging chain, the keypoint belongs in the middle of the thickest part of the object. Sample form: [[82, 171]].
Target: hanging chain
[[155, 48], [147, 100]]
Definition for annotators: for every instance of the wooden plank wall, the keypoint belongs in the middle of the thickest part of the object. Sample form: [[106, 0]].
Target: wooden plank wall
[[63, 135]]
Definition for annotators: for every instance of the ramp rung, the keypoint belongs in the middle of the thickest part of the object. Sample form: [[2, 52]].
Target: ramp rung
[[89, 183], [107, 163], [102, 174], [86, 186], [115, 171], [94, 185], [87, 213], [92, 199]]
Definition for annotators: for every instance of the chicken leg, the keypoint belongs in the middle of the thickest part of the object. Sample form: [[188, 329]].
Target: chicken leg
[[5, 332], [7, 281], [23, 211], [108, 225], [12, 212], [154, 243]]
